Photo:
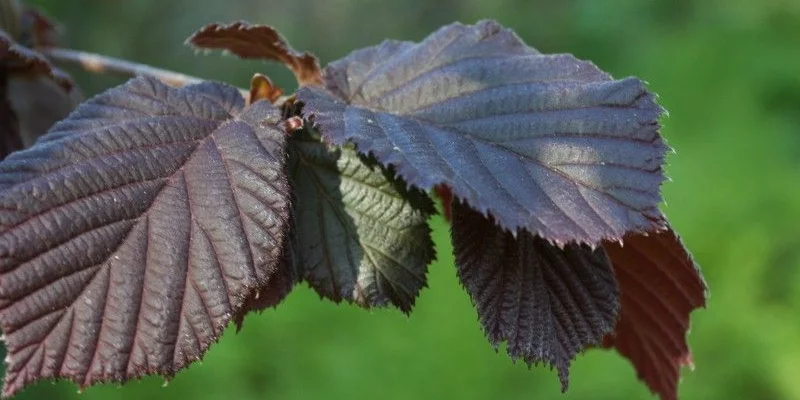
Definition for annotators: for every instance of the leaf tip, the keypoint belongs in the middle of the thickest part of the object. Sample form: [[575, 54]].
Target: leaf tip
[[563, 377]]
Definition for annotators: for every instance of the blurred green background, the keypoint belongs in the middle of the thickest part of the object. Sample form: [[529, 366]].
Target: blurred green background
[[729, 74]]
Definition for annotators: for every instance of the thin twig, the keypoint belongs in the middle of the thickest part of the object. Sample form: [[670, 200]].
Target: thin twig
[[101, 64]]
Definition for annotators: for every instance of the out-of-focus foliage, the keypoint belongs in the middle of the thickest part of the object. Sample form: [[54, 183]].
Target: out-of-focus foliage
[[726, 71]]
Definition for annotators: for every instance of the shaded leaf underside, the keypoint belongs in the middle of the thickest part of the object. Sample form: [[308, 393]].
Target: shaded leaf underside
[[660, 286], [547, 143], [547, 303], [360, 236], [134, 231]]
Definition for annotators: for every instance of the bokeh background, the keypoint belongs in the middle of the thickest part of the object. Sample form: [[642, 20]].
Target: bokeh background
[[727, 71]]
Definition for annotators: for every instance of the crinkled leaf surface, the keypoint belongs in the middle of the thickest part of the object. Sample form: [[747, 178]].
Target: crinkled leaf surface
[[258, 42], [660, 286], [547, 303], [543, 142], [360, 236], [136, 229]]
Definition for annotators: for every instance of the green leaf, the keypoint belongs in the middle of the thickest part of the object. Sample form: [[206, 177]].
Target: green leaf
[[360, 236]]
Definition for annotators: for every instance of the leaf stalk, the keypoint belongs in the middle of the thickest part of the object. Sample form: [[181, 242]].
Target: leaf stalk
[[100, 64]]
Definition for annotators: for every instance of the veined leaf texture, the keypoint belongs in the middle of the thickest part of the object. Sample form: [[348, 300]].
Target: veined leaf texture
[[137, 228]]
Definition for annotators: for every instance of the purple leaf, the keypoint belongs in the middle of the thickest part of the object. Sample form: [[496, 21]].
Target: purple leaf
[[661, 285], [18, 59], [258, 42], [136, 229], [547, 303], [547, 143]]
